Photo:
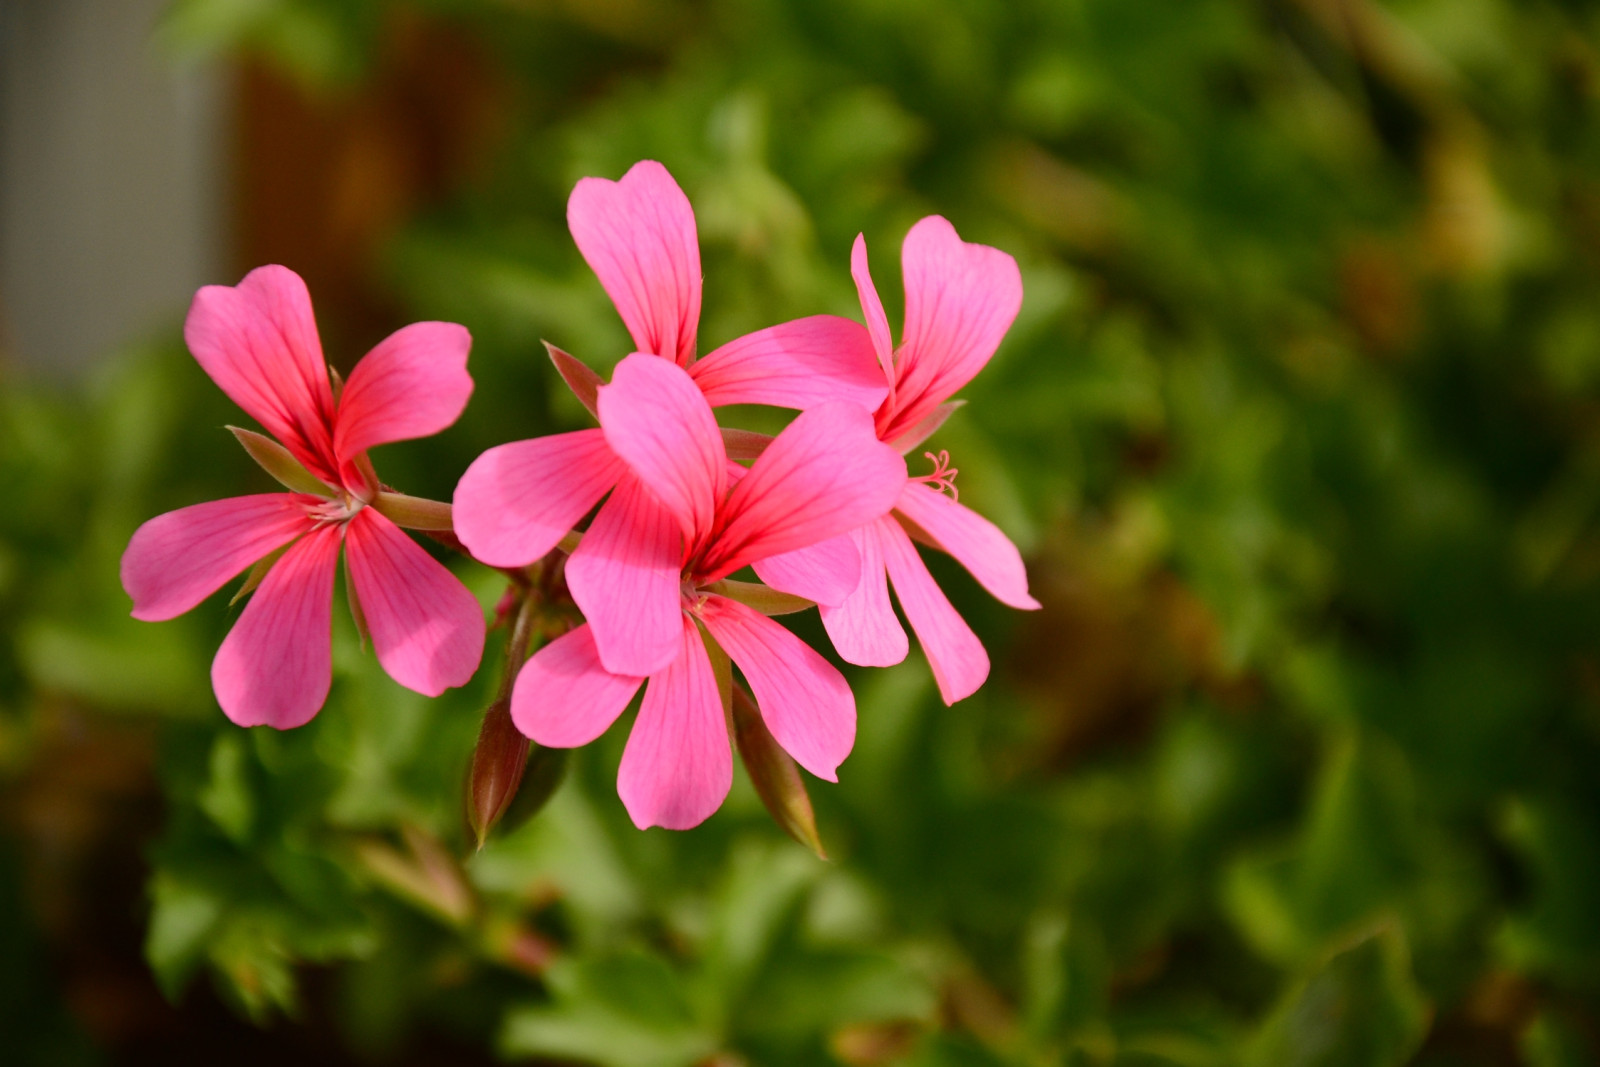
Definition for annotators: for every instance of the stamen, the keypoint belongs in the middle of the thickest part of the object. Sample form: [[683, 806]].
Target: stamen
[[326, 512], [943, 478]]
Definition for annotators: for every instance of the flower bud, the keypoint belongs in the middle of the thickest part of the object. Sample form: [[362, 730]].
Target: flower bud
[[498, 763], [774, 774]]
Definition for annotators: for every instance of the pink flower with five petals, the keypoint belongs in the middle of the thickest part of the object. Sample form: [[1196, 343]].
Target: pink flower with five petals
[[258, 341], [517, 501], [960, 300], [823, 475]]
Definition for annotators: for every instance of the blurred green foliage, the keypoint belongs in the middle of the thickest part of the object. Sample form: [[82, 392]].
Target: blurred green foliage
[[1297, 427]]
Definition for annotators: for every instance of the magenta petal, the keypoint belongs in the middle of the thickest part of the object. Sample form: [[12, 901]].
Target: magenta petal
[[427, 629], [176, 560], [413, 384], [678, 764], [625, 577], [655, 419], [975, 542], [565, 697], [804, 701], [638, 236], [960, 301], [275, 666], [872, 307], [797, 364], [826, 572], [957, 657], [824, 475], [258, 341], [517, 501], [864, 628]]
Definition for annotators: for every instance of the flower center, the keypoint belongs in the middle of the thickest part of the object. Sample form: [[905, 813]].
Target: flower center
[[337, 509], [943, 477]]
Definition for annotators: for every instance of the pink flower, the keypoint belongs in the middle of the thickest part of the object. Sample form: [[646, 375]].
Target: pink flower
[[258, 341], [517, 501], [960, 300], [825, 474]]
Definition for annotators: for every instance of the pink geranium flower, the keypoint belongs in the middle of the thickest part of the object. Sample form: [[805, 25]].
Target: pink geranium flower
[[824, 475], [517, 501], [258, 341], [960, 300]]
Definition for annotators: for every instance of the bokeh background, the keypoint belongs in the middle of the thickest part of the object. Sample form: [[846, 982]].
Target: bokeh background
[[1299, 430]]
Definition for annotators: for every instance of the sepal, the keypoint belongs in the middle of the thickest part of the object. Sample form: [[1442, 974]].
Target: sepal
[[763, 598], [584, 383], [412, 512], [280, 463]]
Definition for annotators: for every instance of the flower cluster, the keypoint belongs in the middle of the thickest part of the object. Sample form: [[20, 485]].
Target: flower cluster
[[825, 513]]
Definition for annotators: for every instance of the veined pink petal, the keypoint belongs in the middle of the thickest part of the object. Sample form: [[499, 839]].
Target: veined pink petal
[[258, 341], [826, 572], [176, 560], [678, 764], [960, 301], [872, 308], [975, 542], [275, 666], [655, 419], [804, 701], [413, 384], [426, 628], [638, 236], [625, 577], [797, 364], [825, 474], [516, 501], [957, 657], [864, 629], [565, 697]]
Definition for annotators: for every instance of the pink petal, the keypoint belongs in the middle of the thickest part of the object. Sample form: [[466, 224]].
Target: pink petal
[[959, 662], [625, 577], [517, 501], [176, 560], [872, 308], [805, 702], [638, 236], [413, 384], [656, 420], [678, 764], [275, 666], [258, 341], [825, 474], [960, 301], [975, 542], [426, 628], [826, 572], [565, 697], [797, 364], [864, 629]]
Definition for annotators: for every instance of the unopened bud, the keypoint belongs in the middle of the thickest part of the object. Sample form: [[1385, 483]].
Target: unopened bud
[[498, 764], [774, 774]]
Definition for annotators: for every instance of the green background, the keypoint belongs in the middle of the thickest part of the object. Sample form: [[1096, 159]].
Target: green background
[[1298, 429]]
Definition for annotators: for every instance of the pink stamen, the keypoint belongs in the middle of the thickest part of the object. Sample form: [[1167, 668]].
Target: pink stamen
[[943, 478]]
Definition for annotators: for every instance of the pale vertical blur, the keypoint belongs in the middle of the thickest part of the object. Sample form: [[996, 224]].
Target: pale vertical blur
[[111, 180]]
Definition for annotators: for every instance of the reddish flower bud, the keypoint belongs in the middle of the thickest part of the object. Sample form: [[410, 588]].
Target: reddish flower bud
[[774, 774]]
